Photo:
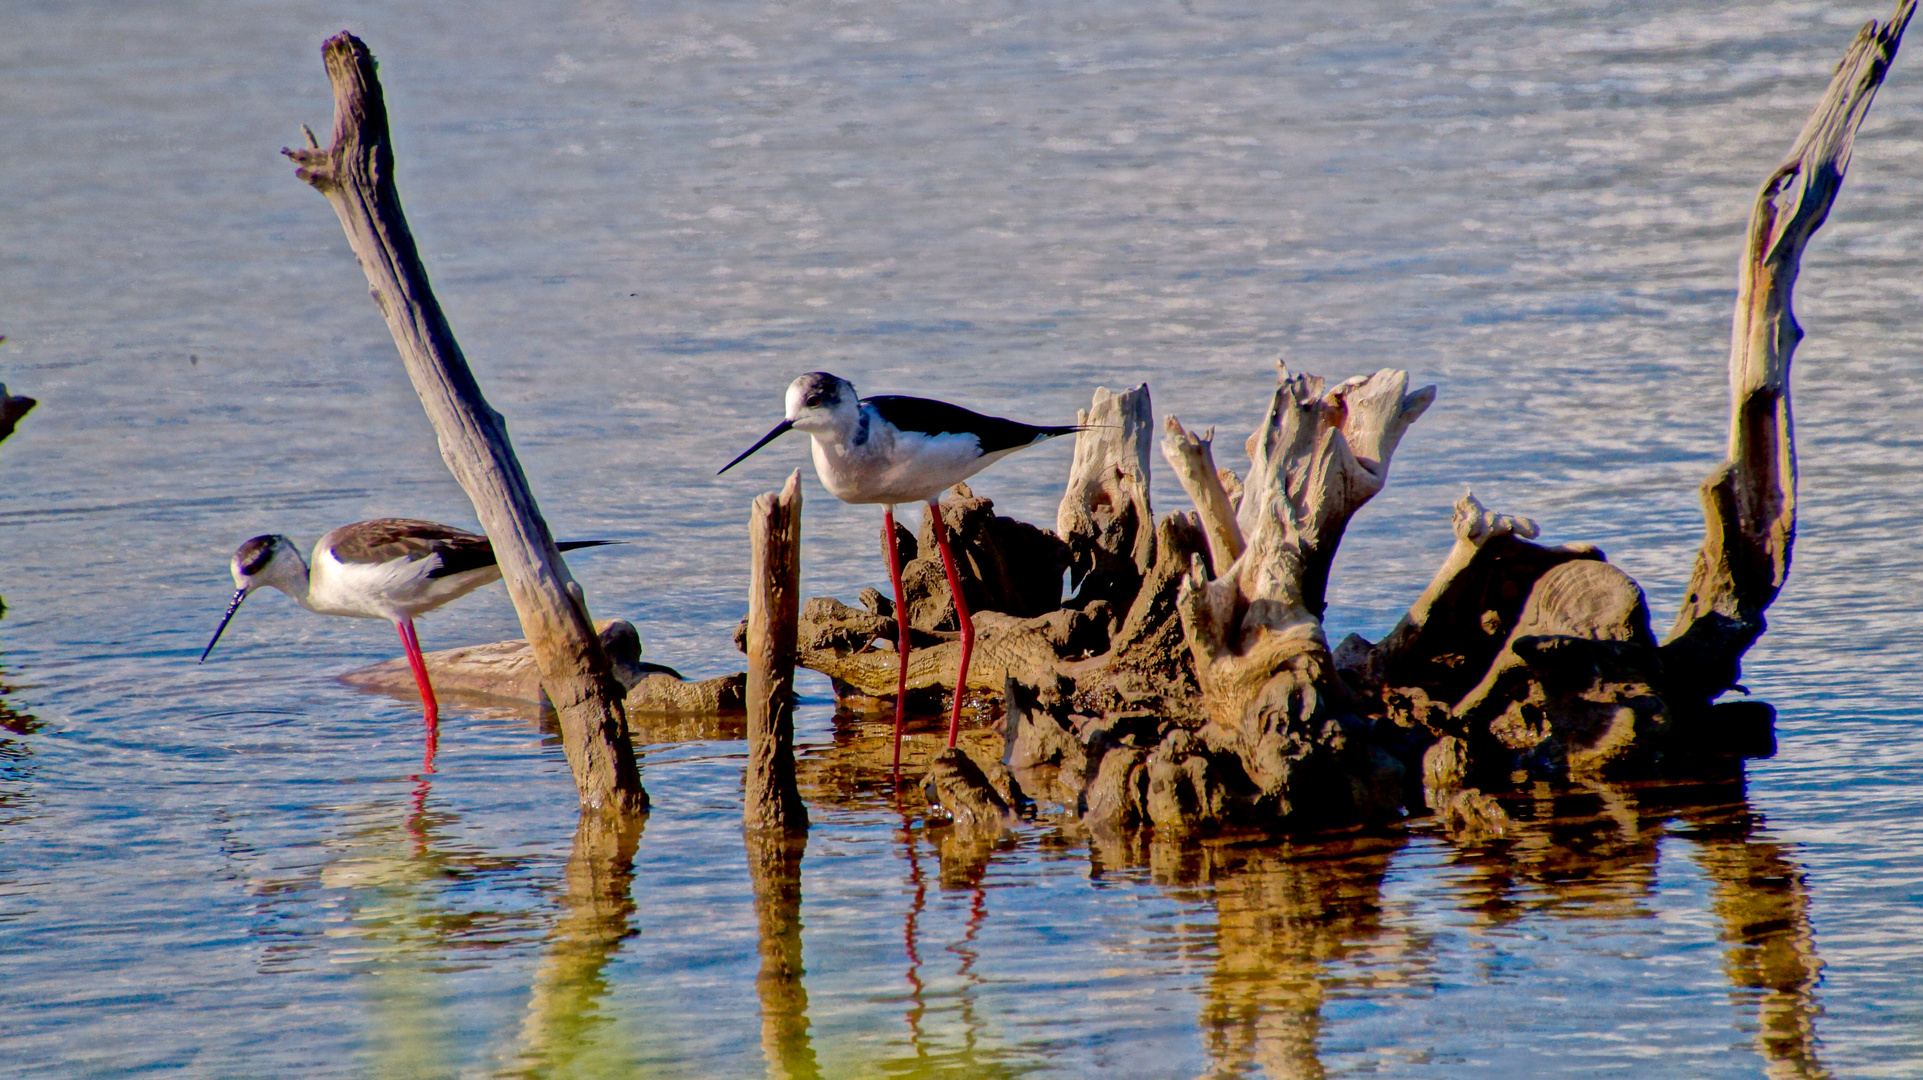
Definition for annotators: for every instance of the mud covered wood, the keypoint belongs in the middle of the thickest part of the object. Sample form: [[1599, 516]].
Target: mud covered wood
[[356, 173], [774, 598]]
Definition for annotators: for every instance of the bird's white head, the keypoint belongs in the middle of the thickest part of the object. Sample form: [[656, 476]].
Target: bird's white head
[[820, 403], [264, 560], [269, 560]]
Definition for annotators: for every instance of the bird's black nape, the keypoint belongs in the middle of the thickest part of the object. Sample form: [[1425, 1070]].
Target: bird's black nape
[[779, 430], [224, 620]]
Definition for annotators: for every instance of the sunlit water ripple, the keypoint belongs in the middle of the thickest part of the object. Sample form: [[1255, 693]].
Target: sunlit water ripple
[[645, 220]]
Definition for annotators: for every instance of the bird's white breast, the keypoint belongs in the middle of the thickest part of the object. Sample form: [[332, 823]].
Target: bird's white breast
[[396, 589], [894, 466]]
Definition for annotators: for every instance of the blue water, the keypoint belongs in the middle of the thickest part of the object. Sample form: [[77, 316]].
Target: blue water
[[643, 220]]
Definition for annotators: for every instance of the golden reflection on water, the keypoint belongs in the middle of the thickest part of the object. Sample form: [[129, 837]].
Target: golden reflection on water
[[1590, 851], [774, 863], [1286, 911], [1291, 919], [567, 1032]]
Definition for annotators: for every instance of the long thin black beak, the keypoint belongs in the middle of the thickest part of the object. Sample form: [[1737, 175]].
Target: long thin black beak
[[224, 620], [780, 430]]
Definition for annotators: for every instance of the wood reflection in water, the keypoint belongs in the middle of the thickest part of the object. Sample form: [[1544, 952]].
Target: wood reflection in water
[[1283, 913], [15, 755], [1287, 911], [774, 863], [1763, 901], [1591, 851], [565, 1033]]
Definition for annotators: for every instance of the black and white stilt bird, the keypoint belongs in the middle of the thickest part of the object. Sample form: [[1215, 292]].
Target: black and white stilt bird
[[891, 450], [389, 568]]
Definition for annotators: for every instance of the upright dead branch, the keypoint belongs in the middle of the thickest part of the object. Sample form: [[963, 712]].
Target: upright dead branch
[[1193, 459], [1316, 459], [356, 173], [1749, 501], [774, 601], [1104, 514]]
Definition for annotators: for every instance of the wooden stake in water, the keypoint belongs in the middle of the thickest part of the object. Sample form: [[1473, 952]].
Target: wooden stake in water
[[356, 173], [774, 610]]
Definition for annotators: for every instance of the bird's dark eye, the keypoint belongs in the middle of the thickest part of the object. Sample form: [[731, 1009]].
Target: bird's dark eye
[[813, 402]]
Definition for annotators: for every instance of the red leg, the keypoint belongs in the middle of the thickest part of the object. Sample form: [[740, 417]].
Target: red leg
[[901, 627], [962, 616], [414, 660]]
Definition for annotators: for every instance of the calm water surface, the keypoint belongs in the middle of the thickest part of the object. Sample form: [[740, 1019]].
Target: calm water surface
[[645, 219]]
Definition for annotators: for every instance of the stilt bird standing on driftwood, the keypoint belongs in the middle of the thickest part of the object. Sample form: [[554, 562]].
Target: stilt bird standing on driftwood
[[891, 450], [389, 568]]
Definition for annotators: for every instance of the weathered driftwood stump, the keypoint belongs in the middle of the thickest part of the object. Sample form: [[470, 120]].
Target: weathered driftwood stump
[[1188, 682]]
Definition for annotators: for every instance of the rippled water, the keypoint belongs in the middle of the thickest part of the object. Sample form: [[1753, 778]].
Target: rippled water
[[644, 219]]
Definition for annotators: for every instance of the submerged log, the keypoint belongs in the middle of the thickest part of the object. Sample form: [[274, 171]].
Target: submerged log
[[506, 671], [356, 174]]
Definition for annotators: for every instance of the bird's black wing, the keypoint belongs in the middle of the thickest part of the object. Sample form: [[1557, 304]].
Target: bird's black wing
[[939, 417], [386, 539]]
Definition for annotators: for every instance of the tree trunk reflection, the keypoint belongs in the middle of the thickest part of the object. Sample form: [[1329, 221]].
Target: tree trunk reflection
[[774, 862], [565, 1033]]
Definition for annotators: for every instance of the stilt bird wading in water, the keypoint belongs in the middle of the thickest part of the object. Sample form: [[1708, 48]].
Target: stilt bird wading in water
[[388, 568], [892, 450]]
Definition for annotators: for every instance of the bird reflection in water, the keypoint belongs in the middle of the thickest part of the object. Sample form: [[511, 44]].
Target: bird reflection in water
[[1295, 920]]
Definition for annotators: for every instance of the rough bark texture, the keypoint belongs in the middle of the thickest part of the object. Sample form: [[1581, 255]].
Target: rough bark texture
[[774, 596], [1749, 501], [1193, 459], [1105, 516], [356, 173], [1255, 632]]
